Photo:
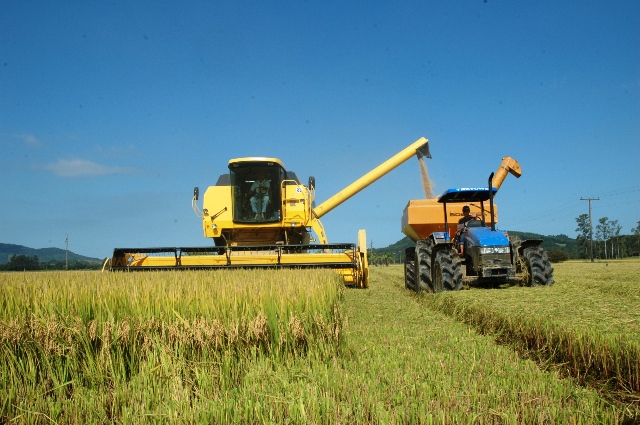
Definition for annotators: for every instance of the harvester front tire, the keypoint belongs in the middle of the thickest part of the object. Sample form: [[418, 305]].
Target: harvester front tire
[[424, 249], [538, 269], [447, 272]]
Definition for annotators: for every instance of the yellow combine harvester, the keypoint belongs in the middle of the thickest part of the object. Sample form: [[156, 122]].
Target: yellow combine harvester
[[261, 215]]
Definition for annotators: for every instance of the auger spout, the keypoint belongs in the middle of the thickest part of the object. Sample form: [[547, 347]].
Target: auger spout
[[508, 165]]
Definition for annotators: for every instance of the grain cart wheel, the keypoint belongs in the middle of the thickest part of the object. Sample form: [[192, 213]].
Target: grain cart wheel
[[536, 267], [447, 273], [424, 249], [410, 268]]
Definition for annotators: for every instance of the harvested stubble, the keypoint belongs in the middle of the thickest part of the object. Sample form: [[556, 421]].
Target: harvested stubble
[[588, 322], [427, 367]]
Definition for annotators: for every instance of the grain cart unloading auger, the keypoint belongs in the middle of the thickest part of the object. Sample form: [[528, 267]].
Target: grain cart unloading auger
[[440, 260], [281, 234]]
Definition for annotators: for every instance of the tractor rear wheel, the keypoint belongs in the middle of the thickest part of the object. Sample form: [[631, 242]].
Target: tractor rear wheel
[[447, 272], [410, 268], [424, 249], [536, 267]]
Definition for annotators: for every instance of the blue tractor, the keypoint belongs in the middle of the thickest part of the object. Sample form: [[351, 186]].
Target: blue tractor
[[463, 244]]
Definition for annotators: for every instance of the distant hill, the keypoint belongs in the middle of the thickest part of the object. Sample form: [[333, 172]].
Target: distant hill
[[44, 254], [563, 242]]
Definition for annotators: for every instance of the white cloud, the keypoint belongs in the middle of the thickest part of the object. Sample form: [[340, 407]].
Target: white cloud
[[82, 167], [29, 140]]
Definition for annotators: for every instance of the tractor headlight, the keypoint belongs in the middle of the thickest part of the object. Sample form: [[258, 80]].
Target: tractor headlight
[[494, 250]]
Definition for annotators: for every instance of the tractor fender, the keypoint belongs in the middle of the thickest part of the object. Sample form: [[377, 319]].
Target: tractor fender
[[521, 245], [441, 240], [436, 241]]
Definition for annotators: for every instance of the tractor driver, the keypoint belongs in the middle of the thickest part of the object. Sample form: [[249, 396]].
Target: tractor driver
[[466, 217], [260, 196]]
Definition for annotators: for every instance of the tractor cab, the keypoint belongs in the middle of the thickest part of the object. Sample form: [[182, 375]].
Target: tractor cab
[[474, 197], [484, 251], [474, 232], [255, 189]]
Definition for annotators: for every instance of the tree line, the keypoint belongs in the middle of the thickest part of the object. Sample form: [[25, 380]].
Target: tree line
[[608, 243], [24, 262]]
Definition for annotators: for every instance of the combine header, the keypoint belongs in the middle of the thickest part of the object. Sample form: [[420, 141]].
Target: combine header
[[261, 215]]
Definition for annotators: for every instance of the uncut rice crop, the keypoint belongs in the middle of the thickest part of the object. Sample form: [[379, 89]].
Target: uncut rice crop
[[225, 307], [69, 333]]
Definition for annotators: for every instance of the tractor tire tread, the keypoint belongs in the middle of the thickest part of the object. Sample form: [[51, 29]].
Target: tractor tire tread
[[448, 265], [424, 250], [540, 269]]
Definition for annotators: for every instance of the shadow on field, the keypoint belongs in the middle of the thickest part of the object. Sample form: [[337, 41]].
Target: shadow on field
[[473, 283]]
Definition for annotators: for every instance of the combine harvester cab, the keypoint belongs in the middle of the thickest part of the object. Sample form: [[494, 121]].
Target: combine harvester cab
[[445, 253], [259, 214]]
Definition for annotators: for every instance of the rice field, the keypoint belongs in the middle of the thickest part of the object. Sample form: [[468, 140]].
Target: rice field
[[589, 323], [88, 347], [290, 346]]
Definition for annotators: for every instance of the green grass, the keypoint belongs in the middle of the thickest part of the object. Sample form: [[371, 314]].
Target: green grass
[[380, 355]]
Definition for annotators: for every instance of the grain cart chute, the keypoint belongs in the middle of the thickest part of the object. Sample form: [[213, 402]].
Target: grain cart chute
[[259, 214], [445, 253]]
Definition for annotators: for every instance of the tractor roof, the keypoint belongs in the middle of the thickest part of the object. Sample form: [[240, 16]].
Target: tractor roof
[[466, 194]]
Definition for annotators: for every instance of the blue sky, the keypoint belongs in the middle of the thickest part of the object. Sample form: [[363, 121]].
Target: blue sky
[[110, 113]]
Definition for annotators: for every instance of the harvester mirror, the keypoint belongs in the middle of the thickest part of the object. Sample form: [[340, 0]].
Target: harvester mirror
[[312, 183], [196, 192]]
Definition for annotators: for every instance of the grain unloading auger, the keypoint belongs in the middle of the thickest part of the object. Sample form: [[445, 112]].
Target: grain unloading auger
[[261, 215]]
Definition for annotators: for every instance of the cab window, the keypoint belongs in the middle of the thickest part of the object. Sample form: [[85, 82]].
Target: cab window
[[256, 191]]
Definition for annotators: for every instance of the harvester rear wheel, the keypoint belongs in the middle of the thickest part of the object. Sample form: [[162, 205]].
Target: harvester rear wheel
[[447, 272], [424, 249], [536, 267], [410, 268]]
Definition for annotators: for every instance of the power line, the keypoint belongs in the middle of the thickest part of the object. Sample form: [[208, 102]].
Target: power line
[[557, 211], [560, 209], [622, 191], [590, 223]]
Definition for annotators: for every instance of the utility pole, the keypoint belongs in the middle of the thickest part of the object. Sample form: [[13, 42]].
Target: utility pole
[[66, 253], [590, 223]]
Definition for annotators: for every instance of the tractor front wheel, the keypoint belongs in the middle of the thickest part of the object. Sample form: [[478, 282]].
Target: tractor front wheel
[[447, 273], [536, 267]]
